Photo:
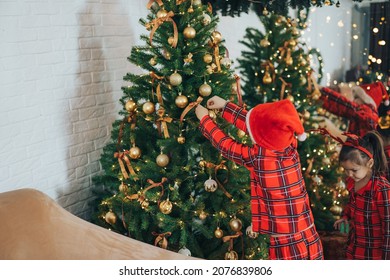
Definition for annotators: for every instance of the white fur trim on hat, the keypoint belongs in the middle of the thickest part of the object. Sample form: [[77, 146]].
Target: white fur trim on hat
[[360, 93], [302, 137], [248, 127]]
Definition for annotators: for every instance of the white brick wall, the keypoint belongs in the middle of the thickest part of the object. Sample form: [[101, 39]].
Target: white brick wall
[[61, 69]]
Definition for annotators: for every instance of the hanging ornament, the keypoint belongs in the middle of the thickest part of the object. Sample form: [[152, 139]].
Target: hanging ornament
[[130, 106], [231, 255], [235, 224], [265, 11], [202, 164], [181, 139], [148, 107], [212, 114], [205, 90], [226, 62], [302, 81], [306, 115], [197, 2], [123, 188], [153, 61], [162, 160], [135, 152], [145, 204], [110, 217], [218, 233], [264, 42], [175, 79], [206, 20], [162, 13], [338, 4], [165, 206], [336, 210], [171, 40], [340, 185], [267, 79], [189, 32], [184, 251], [202, 215], [216, 36], [290, 97], [208, 58], [210, 185], [317, 180], [190, 9], [181, 101], [250, 233], [327, 2]]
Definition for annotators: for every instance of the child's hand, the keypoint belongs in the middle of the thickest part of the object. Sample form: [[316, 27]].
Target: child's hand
[[201, 111], [216, 102]]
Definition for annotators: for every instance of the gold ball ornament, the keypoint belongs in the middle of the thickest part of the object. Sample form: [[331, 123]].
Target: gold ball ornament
[[202, 215], [181, 139], [205, 90], [130, 106], [175, 79], [231, 255], [145, 204], [267, 79], [302, 80], [235, 224], [162, 13], [162, 160], [189, 32], [290, 97], [206, 20], [197, 2], [208, 58], [165, 207], [148, 107], [216, 36], [306, 115], [202, 164], [181, 101], [264, 43], [212, 114], [110, 217], [171, 40], [152, 61], [218, 233], [336, 210], [210, 185], [135, 152], [123, 188]]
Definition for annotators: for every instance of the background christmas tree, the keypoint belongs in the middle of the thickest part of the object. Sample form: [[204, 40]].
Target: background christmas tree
[[163, 182], [276, 64]]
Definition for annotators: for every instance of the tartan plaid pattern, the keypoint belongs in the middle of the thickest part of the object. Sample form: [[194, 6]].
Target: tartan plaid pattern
[[305, 245], [279, 201], [387, 152], [362, 117], [368, 211]]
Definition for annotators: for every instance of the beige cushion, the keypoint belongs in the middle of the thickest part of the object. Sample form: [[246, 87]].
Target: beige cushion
[[34, 226]]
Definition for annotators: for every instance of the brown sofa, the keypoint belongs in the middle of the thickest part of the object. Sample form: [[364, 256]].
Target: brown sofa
[[34, 226]]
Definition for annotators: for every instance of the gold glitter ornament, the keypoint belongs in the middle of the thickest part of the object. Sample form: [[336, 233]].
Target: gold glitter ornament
[[135, 152], [148, 107], [205, 90], [130, 106], [189, 32], [181, 101], [218, 233], [166, 206], [162, 160], [110, 217]]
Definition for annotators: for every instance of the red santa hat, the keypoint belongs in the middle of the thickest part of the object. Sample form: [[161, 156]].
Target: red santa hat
[[274, 125], [373, 93]]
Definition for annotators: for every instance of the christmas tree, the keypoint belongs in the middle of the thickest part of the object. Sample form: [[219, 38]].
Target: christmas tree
[[276, 64], [163, 183]]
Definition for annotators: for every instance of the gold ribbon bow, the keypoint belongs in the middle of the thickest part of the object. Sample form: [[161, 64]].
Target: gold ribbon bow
[[231, 238], [189, 107], [122, 159], [141, 196], [161, 239], [162, 122], [213, 44], [158, 21]]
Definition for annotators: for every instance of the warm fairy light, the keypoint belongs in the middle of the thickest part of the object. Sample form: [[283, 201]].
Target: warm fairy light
[[382, 43], [340, 23], [355, 37], [375, 30]]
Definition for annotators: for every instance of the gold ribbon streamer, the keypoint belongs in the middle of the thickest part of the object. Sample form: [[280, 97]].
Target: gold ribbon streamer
[[161, 237], [158, 21], [154, 76], [178, 2], [230, 238], [150, 3], [189, 107], [122, 156], [313, 81], [162, 122], [220, 184], [284, 84], [239, 95], [215, 46]]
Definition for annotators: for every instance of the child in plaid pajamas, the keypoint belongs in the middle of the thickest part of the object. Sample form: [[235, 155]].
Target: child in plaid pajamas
[[368, 209], [279, 200]]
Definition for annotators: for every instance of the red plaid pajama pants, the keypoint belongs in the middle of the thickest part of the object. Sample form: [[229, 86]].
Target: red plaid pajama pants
[[305, 245]]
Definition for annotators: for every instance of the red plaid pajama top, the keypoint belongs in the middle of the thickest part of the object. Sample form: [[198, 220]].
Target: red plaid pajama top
[[279, 201], [362, 117], [368, 211]]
